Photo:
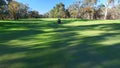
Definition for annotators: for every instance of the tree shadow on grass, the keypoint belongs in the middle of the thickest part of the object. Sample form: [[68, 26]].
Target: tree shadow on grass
[[65, 48], [61, 54], [17, 34]]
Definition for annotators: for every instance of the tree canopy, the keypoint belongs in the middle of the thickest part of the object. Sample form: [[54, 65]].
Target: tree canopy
[[83, 9]]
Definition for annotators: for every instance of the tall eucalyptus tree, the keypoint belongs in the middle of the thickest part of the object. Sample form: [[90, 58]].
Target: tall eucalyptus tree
[[108, 2]]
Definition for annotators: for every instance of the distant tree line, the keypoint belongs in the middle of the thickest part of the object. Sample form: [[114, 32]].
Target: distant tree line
[[10, 9], [86, 9], [83, 9]]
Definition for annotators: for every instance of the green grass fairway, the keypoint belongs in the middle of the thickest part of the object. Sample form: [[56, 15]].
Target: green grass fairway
[[42, 43]]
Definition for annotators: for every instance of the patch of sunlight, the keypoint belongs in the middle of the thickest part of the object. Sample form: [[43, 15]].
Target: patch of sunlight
[[60, 29], [44, 36], [39, 46], [115, 31], [48, 19], [103, 27], [83, 65], [96, 22], [21, 43], [6, 21], [18, 42], [18, 28], [110, 40], [91, 32], [87, 65], [18, 65], [74, 43], [112, 62], [48, 29], [12, 56], [78, 23]]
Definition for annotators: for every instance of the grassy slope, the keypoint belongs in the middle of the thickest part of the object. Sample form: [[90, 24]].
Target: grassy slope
[[41, 43]]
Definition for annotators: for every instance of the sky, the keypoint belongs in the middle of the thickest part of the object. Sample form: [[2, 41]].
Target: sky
[[44, 6]]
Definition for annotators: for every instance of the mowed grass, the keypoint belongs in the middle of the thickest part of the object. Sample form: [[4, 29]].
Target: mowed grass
[[42, 43]]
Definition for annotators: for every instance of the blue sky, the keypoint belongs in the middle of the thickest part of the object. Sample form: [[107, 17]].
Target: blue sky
[[44, 6]]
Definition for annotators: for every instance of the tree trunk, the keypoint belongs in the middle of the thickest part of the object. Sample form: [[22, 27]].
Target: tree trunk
[[106, 10]]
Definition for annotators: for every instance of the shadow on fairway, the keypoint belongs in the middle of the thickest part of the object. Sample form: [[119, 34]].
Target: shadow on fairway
[[60, 47]]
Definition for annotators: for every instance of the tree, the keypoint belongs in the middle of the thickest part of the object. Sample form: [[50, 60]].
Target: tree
[[98, 11], [73, 10], [2, 8], [58, 11], [46, 15], [62, 11], [13, 7], [34, 14], [76, 9], [4, 13], [82, 9], [17, 10], [114, 12], [51, 13], [67, 13], [23, 10], [90, 7], [2, 2], [108, 2]]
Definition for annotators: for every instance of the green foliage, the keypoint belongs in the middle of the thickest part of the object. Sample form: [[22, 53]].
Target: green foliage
[[83, 9], [10, 9], [58, 11], [33, 14], [2, 2]]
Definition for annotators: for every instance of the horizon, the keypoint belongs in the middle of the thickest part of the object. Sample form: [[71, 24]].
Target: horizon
[[43, 7]]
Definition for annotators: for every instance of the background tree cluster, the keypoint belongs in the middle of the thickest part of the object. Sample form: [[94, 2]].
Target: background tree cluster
[[58, 11], [10, 9], [87, 9], [83, 9]]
